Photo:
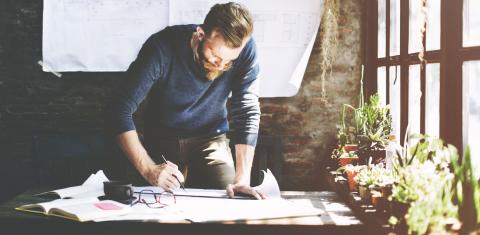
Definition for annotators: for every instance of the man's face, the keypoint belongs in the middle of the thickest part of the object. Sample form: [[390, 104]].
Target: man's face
[[215, 55]]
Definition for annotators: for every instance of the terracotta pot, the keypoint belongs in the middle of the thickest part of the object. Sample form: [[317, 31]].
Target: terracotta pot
[[343, 161], [378, 201], [352, 184], [364, 192], [350, 147], [386, 191]]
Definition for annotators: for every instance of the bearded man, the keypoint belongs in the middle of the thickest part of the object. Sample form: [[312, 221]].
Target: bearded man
[[187, 73]]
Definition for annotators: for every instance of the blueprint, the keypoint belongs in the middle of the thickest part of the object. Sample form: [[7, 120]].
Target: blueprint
[[106, 35]]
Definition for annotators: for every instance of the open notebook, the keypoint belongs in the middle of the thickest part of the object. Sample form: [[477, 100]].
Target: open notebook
[[84, 209]]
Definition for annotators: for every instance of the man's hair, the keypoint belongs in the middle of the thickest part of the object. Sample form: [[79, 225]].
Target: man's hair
[[232, 20]]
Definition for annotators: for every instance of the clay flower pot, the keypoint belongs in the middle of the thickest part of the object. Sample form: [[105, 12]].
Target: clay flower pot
[[378, 201], [352, 184], [350, 147], [364, 192], [343, 161]]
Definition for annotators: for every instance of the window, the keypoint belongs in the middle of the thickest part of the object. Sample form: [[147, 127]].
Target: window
[[381, 28], [414, 95], [432, 100], [394, 98], [471, 26], [415, 21], [395, 27], [440, 95], [471, 107], [382, 85]]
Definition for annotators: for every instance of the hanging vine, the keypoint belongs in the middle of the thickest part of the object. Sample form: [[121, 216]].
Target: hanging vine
[[329, 38], [423, 31]]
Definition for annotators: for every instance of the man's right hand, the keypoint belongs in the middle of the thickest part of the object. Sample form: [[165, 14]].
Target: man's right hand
[[163, 175]]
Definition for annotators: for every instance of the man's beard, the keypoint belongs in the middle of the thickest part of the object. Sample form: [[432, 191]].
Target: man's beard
[[211, 72]]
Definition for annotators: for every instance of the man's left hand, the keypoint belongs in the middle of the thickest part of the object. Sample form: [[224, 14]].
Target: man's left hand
[[233, 189]]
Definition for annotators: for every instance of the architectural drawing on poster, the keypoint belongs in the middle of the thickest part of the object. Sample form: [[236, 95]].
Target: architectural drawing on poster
[[106, 35]]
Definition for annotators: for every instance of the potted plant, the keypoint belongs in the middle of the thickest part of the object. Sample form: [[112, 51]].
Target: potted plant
[[434, 211], [422, 192], [351, 171], [382, 189], [346, 152], [348, 158], [374, 125], [365, 178]]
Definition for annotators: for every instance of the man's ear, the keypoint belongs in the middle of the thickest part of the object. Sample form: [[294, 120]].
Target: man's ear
[[200, 33]]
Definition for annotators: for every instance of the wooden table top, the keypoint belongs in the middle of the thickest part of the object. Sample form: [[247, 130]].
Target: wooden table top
[[337, 219]]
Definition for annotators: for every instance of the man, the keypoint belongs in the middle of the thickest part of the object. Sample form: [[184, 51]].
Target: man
[[188, 72]]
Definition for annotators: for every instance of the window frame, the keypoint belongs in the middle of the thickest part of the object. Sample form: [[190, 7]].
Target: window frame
[[450, 56]]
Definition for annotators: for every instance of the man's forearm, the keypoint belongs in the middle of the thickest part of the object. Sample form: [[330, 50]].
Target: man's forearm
[[244, 157], [133, 148]]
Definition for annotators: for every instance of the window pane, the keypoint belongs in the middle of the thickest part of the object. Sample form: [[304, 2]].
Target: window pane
[[471, 25], [471, 108], [433, 25], [395, 98], [432, 100], [414, 42], [382, 32], [414, 95], [395, 27], [382, 85]]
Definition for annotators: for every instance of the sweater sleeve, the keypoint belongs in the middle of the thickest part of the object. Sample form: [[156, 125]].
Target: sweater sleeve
[[245, 108], [140, 77]]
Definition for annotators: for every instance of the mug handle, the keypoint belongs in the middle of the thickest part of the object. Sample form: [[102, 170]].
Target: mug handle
[[129, 191]]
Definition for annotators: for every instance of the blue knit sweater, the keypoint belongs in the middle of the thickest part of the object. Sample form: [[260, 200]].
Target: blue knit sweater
[[181, 101]]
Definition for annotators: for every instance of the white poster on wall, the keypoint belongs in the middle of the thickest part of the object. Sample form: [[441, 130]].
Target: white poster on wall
[[106, 35]]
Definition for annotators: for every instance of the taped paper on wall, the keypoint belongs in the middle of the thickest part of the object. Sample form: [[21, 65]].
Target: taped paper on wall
[[106, 35]]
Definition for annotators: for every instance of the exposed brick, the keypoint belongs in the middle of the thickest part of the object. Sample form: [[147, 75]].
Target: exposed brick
[[274, 108]]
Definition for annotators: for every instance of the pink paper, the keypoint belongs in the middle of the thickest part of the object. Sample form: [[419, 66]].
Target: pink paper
[[107, 206]]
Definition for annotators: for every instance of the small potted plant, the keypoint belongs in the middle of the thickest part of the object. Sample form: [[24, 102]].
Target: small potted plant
[[348, 158], [365, 178], [351, 171], [346, 151], [382, 189], [374, 126]]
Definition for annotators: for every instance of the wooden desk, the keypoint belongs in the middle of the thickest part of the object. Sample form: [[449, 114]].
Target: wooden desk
[[337, 219]]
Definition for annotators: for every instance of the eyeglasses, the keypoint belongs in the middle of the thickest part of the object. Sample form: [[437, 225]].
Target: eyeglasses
[[155, 200]]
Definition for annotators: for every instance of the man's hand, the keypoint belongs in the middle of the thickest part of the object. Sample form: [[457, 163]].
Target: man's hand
[[164, 175], [243, 189], [241, 183]]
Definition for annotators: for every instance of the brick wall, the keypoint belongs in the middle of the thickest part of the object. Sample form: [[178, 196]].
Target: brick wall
[[32, 101]]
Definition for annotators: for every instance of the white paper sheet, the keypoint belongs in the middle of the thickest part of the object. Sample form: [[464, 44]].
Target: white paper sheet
[[98, 35], [92, 187], [106, 35], [268, 187]]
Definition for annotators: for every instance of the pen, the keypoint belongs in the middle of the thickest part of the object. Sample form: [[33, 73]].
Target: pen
[[181, 184]]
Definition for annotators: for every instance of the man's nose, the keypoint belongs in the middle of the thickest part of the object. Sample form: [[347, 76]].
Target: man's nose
[[217, 62]]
